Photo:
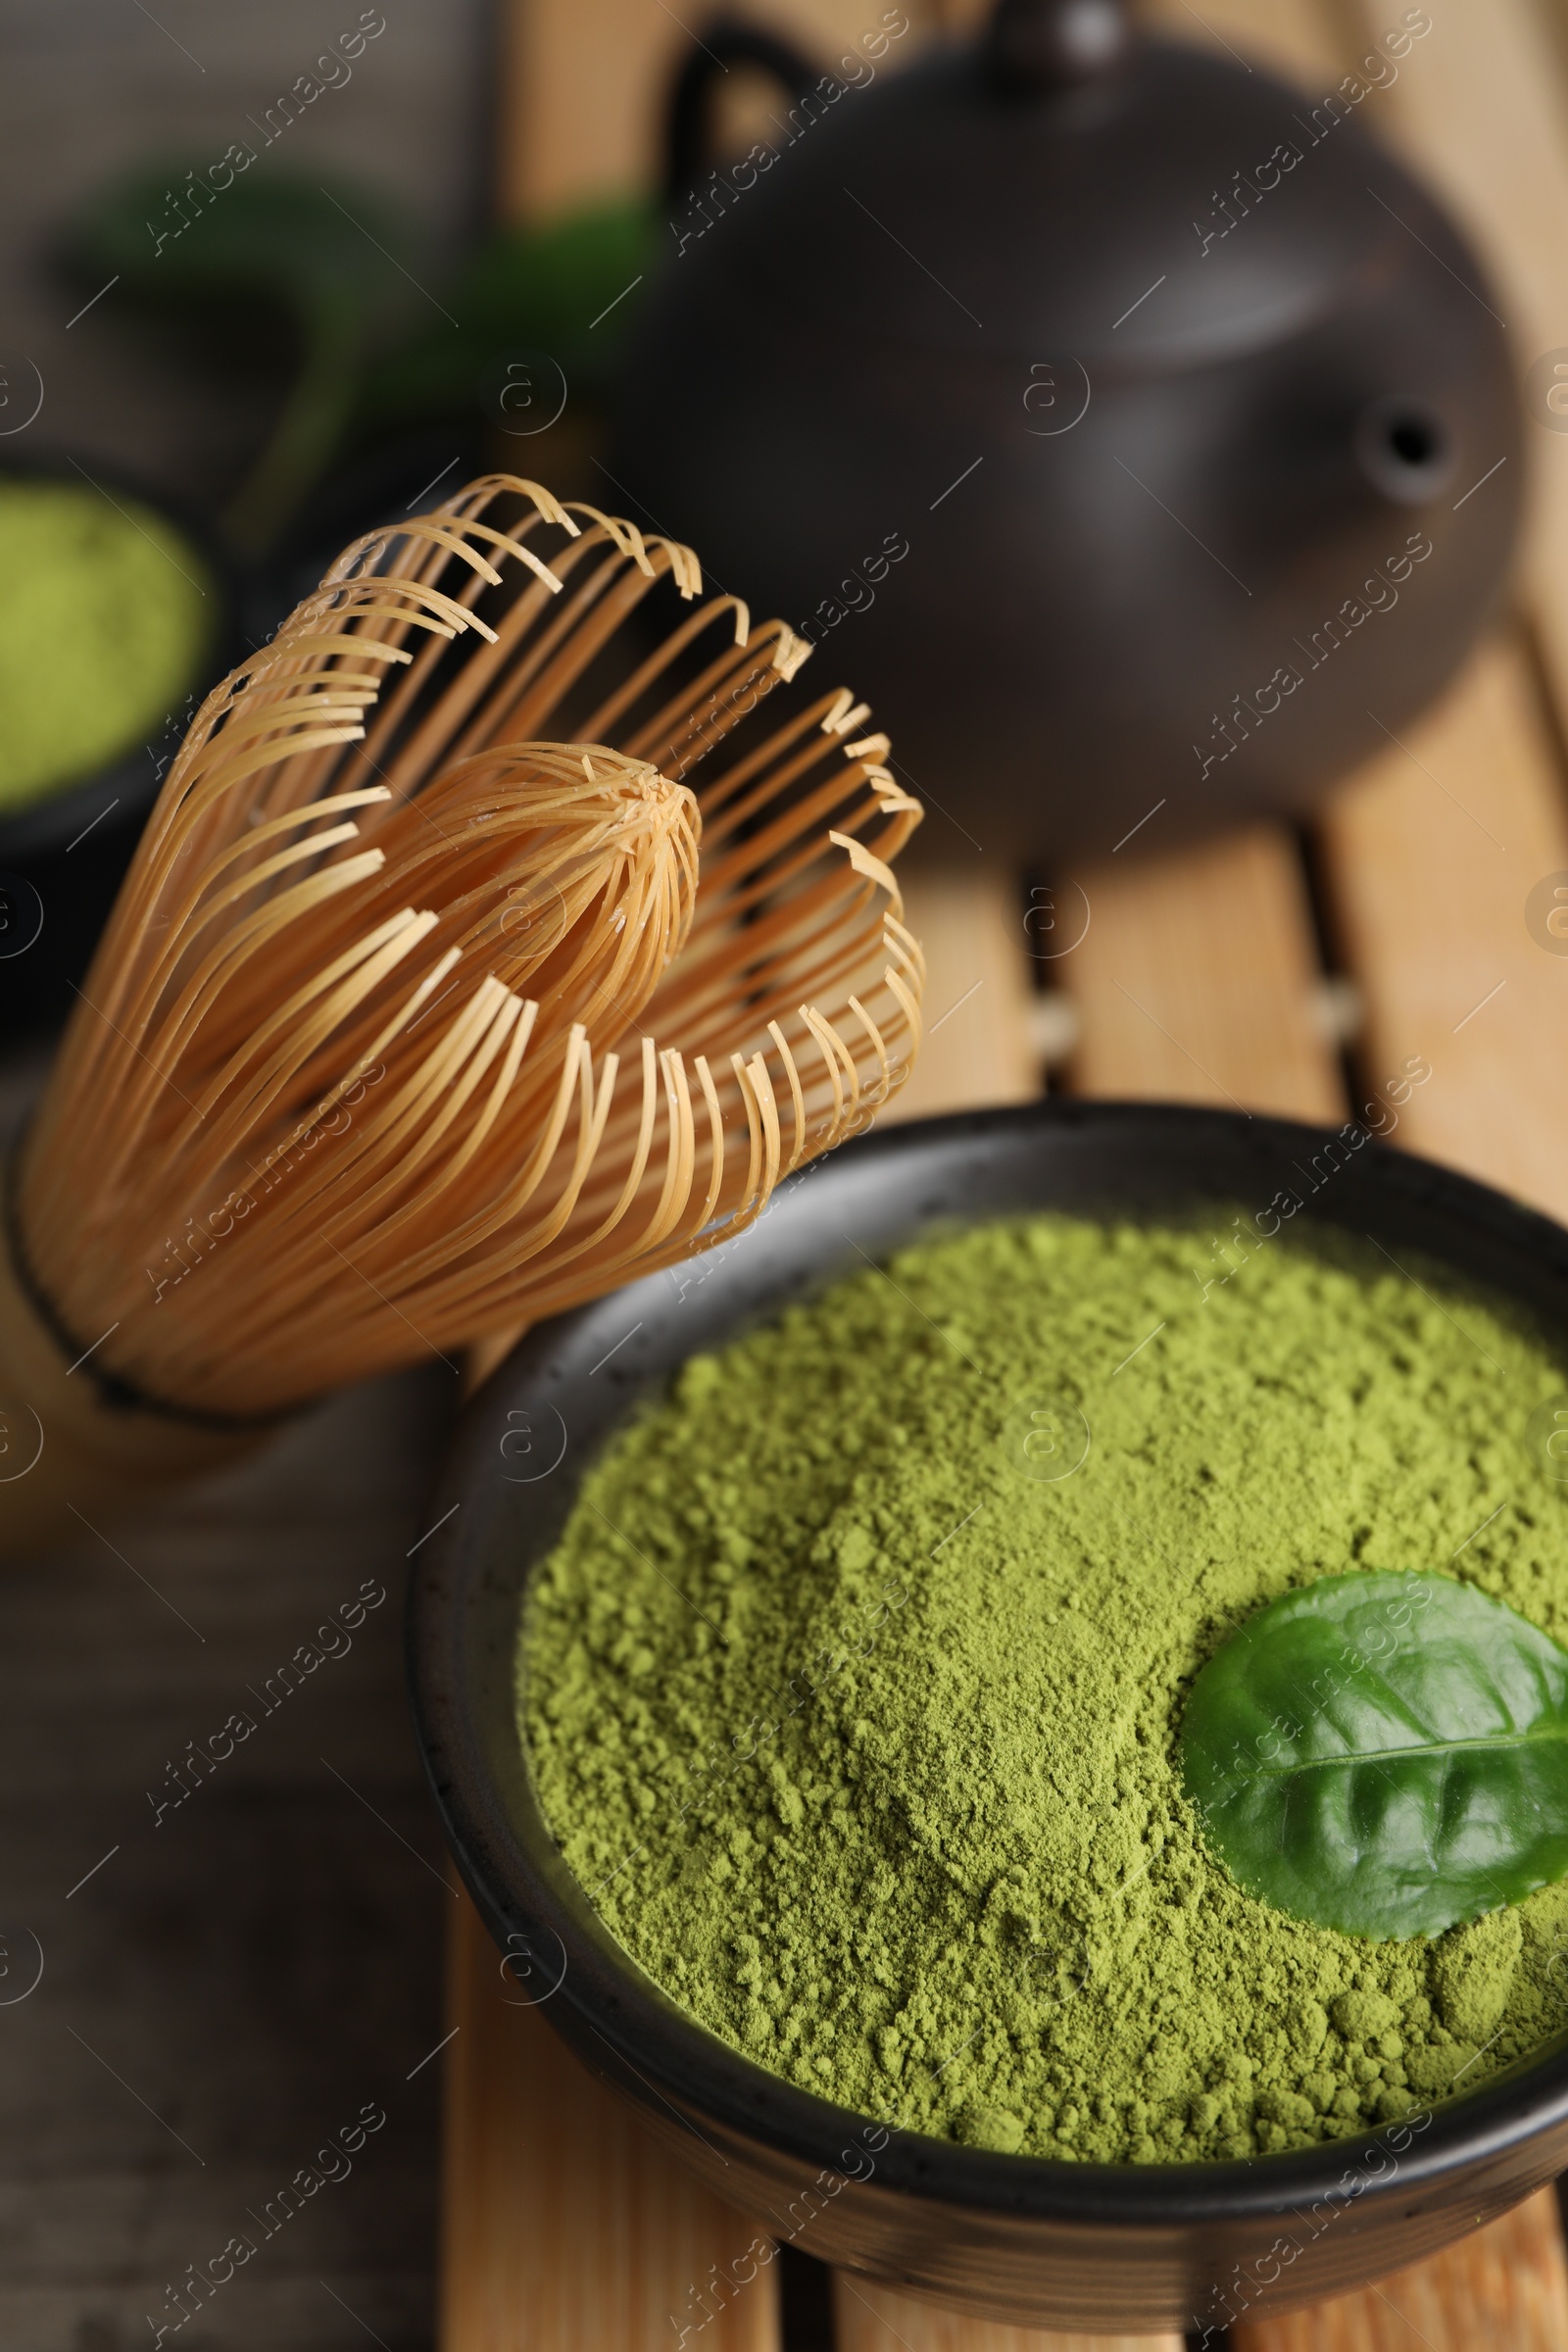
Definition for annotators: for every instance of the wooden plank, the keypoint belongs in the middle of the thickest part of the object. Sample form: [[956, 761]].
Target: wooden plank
[[579, 98], [263, 1958], [564, 2229], [1507, 2286], [1297, 38], [978, 1046], [877, 2319], [1481, 109], [581, 88], [1430, 859], [1195, 979]]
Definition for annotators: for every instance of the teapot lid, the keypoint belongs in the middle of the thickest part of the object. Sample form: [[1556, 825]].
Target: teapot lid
[[1068, 185]]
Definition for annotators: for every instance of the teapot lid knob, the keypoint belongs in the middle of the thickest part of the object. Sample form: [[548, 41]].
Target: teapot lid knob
[[1038, 45]]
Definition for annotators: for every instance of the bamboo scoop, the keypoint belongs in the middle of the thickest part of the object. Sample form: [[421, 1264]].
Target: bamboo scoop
[[437, 999]]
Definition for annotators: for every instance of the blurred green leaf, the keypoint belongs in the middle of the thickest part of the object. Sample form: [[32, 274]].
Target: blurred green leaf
[[289, 241], [338, 263], [381, 343], [542, 288]]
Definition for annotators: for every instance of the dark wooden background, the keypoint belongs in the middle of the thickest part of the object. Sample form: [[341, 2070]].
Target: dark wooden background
[[236, 1983]]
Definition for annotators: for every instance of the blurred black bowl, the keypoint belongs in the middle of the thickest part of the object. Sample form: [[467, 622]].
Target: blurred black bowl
[[63, 857]]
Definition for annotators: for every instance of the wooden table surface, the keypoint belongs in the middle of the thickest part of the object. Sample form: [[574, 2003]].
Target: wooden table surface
[[226, 1988]]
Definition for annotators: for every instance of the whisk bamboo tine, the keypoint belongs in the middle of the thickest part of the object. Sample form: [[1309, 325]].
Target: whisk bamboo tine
[[607, 719], [527, 692], [522, 618], [347, 1082]]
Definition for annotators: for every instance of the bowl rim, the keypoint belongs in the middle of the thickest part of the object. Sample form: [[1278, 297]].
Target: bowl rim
[[43, 827], [524, 1890]]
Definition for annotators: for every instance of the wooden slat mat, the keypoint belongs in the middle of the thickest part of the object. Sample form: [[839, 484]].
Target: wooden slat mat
[[564, 2229], [1503, 2290], [1200, 977], [874, 2318]]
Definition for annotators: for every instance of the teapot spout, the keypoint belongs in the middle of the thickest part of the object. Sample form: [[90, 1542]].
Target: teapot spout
[[1403, 449]]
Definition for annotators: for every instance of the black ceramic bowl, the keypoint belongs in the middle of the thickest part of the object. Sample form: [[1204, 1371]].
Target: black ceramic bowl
[[1041, 2243], [69, 850]]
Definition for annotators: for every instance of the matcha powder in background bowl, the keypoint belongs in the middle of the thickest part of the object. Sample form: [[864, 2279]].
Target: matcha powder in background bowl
[[852, 1691], [105, 612]]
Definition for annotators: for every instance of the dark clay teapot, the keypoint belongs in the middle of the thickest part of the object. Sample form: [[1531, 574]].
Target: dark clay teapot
[[1141, 436]]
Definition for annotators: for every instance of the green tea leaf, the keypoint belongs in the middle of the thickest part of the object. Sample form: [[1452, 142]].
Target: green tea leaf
[[340, 272], [1384, 1754], [564, 287], [278, 238]]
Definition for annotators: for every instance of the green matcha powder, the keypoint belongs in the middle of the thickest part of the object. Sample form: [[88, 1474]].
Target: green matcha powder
[[861, 1729], [104, 615]]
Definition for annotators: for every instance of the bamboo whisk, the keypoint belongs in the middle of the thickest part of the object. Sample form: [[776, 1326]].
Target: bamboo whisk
[[437, 999]]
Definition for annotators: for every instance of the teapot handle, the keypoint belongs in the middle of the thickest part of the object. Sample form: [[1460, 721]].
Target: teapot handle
[[726, 42]]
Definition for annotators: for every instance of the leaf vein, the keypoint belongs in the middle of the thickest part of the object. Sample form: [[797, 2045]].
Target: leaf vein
[[1488, 1743]]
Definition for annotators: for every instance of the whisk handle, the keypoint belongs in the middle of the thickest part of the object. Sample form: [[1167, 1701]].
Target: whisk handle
[[66, 1454]]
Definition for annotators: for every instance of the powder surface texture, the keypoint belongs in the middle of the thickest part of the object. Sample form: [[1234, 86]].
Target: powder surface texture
[[854, 1703], [103, 616]]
